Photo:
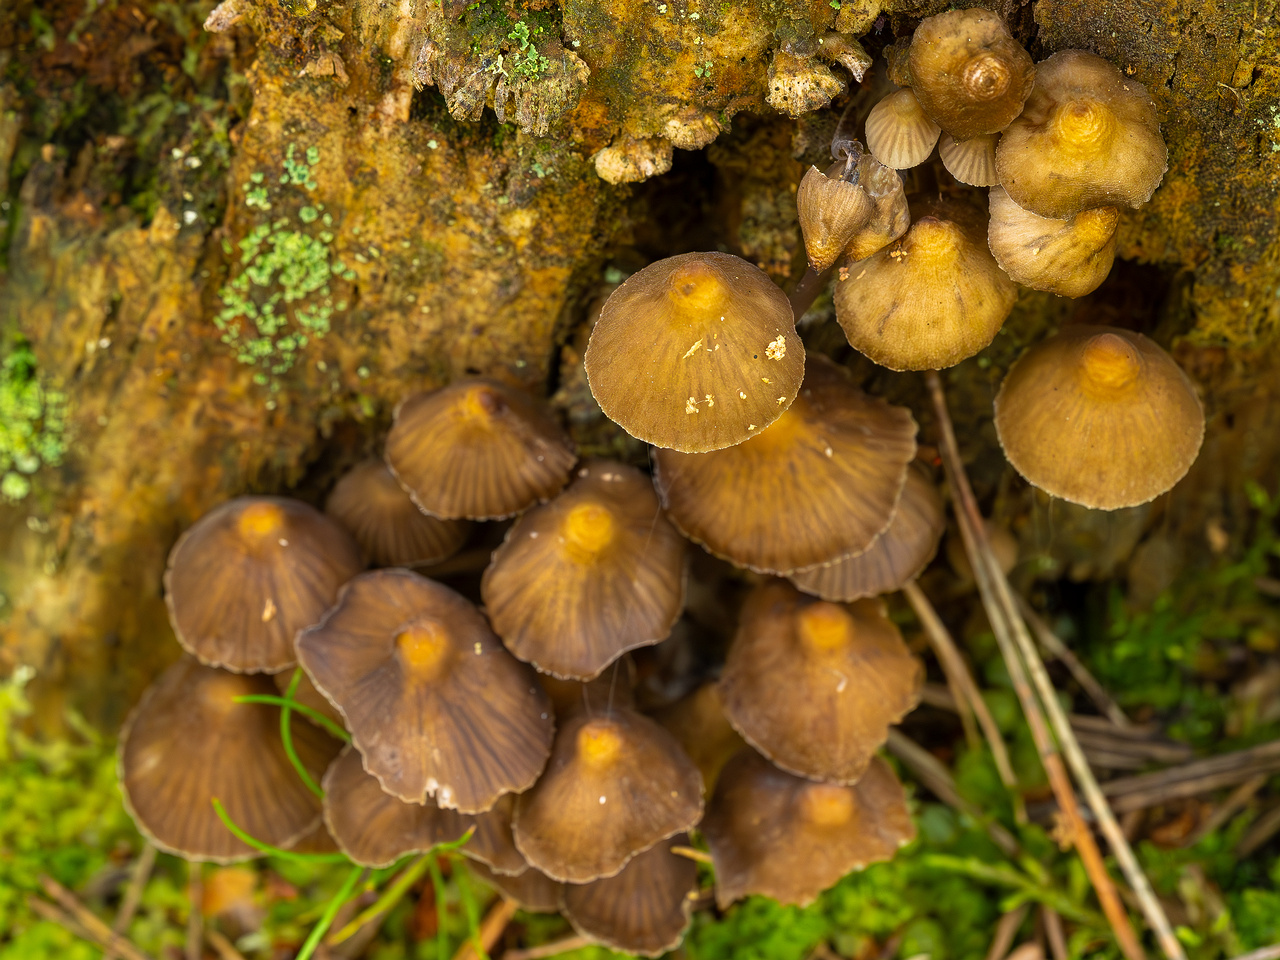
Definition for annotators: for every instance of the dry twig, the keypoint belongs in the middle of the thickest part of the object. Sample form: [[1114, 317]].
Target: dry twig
[[548, 949], [1053, 932], [1236, 801], [83, 922], [1263, 829], [1262, 953], [1006, 930], [491, 927], [225, 949], [138, 879], [195, 915]]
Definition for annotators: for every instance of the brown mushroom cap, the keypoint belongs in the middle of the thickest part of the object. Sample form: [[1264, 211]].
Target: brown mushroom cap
[[250, 574], [1067, 257], [970, 75], [531, 889], [813, 685], [831, 211], [789, 838], [387, 524], [307, 695], [188, 742], [1100, 417], [932, 299], [614, 787], [1089, 137], [821, 483], [695, 353], [645, 909], [895, 558], [477, 449], [970, 161], [594, 573], [615, 687], [434, 702], [698, 722], [899, 134]]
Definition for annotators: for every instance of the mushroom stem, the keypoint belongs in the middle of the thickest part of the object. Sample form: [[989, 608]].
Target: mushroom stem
[[807, 290], [1014, 639], [195, 915]]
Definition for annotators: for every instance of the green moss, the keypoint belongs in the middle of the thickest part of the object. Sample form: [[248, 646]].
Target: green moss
[[32, 421]]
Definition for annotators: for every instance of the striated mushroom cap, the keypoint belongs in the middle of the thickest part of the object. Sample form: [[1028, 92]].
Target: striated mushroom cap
[[831, 211], [614, 787], [899, 134], [1100, 417], [250, 574], [1088, 137], [897, 556], [531, 889], [615, 687], [188, 742], [594, 573], [970, 161], [815, 686], [477, 449], [1067, 257], [821, 483], [387, 524], [970, 75], [698, 722], [695, 353], [789, 838], [434, 702], [932, 299], [645, 909]]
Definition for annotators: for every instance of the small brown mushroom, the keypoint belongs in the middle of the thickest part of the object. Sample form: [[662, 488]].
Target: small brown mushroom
[[249, 575], [1088, 137], [891, 217], [899, 134], [788, 838], [645, 909], [531, 889], [307, 695], [594, 573], [1100, 417], [1067, 257], [477, 449], [831, 210], [819, 484], [434, 702], [698, 722], [387, 524], [896, 557], [695, 352], [815, 686], [970, 161], [189, 742], [616, 785]]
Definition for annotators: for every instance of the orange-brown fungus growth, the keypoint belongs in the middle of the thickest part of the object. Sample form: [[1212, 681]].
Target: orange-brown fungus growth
[[188, 741], [895, 558], [477, 449], [781, 836], [434, 702], [614, 787], [1067, 257], [1089, 137], [387, 524], [645, 909], [249, 575], [970, 75], [592, 574], [821, 483], [932, 299], [695, 353], [1100, 417], [814, 686], [899, 134]]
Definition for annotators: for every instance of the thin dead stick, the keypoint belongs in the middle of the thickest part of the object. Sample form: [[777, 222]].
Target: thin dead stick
[[1004, 623], [549, 949], [1263, 829], [138, 879], [50, 912], [1236, 801], [1006, 611], [957, 672], [1264, 758], [1006, 930], [195, 915], [225, 949], [1262, 953], [94, 929], [495, 921], [692, 853], [1053, 932], [1059, 651]]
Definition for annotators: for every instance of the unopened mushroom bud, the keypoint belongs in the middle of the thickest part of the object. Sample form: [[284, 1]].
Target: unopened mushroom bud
[[899, 134], [969, 74], [831, 211], [1088, 137], [971, 161], [1068, 257], [891, 216]]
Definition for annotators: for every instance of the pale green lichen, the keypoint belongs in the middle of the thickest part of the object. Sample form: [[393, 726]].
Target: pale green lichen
[[32, 422]]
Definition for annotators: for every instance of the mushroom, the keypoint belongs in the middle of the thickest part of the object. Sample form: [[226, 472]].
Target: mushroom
[[853, 209], [819, 484], [614, 688], [815, 686], [697, 720], [970, 75], [896, 557], [531, 889], [1068, 257], [434, 702], [387, 524], [616, 784], [189, 742], [695, 353], [477, 449], [1100, 417], [899, 134], [788, 838], [250, 574], [643, 910], [932, 299], [307, 695], [1088, 137], [970, 161], [594, 573]]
